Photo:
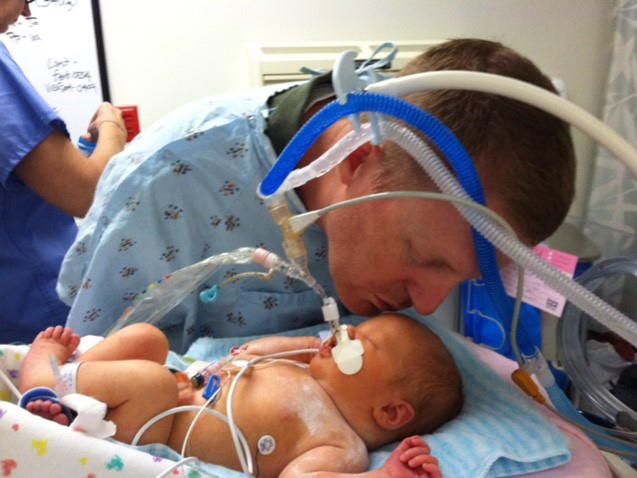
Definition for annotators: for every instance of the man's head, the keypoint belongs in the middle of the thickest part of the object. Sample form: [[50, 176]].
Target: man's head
[[524, 156], [409, 383], [392, 254]]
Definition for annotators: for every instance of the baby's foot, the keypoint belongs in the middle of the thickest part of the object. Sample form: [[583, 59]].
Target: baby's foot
[[49, 410], [36, 371]]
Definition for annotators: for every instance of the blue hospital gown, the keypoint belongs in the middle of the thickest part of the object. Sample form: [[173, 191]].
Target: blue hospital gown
[[184, 190]]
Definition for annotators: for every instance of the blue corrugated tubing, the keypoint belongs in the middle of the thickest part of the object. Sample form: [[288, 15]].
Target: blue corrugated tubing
[[565, 407], [446, 142]]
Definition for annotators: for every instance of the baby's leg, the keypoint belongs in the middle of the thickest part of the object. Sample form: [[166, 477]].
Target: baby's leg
[[37, 372], [137, 341], [134, 391]]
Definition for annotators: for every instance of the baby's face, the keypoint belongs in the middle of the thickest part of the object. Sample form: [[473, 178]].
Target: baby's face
[[386, 342]]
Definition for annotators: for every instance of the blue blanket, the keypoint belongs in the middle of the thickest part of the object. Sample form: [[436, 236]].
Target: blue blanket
[[498, 433]]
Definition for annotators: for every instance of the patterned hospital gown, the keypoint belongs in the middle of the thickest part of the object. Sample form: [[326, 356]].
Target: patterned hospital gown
[[182, 191]]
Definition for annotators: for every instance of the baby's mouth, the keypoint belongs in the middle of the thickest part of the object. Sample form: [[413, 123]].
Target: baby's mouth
[[325, 349]]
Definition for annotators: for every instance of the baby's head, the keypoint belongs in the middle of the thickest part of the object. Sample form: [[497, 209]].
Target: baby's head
[[429, 379], [409, 382]]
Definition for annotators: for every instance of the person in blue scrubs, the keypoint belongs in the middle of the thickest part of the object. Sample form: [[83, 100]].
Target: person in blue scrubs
[[45, 181]]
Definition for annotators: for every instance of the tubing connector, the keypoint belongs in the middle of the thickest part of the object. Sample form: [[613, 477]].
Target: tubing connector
[[292, 242], [538, 366], [347, 353], [523, 380], [330, 314]]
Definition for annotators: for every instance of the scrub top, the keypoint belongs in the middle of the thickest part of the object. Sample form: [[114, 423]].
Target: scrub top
[[34, 235]]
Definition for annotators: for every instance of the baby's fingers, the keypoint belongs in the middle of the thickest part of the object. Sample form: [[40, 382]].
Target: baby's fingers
[[417, 441], [432, 470], [411, 453], [422, 460], [413, 443]]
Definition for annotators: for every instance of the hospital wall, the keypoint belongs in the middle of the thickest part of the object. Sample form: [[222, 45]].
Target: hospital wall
[[164, 53]]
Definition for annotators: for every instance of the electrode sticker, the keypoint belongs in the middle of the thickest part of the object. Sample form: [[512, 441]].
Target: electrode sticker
[[536, 292], [266, 444]]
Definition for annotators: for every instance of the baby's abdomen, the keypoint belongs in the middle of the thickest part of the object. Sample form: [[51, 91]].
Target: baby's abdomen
[[274, 402]]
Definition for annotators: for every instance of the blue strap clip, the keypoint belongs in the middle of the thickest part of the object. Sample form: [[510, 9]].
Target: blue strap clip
[[208, 296], [213, 385]]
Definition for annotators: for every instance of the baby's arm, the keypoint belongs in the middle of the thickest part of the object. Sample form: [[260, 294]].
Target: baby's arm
[[411, 459], [275, 344], [329, 461]]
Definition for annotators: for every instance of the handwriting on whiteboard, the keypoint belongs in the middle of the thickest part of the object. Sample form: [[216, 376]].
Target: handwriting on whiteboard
[[66, 75], [56, 48], [25, 29], [66, 4]]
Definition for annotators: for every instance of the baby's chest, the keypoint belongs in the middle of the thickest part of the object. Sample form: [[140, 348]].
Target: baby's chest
[[284, 401], [283, 398], [283, 413]]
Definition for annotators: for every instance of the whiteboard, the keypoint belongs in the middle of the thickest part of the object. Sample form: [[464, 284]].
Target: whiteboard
[[60, 49]]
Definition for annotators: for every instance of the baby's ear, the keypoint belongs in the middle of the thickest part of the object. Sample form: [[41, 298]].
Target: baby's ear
[[394, 415]]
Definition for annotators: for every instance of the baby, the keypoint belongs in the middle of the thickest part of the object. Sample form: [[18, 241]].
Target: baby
[[318, 419]]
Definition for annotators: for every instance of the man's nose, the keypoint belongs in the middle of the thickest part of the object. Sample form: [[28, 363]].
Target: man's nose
[[26, 10], [426, 298]]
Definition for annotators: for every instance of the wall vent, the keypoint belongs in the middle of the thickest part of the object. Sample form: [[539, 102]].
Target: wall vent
[[282, 62]]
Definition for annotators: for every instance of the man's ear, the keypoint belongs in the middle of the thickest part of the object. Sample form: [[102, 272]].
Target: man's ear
[[394, 415], [351, 164]]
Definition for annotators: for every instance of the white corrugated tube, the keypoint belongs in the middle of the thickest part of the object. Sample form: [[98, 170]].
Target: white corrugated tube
[[510, 245]]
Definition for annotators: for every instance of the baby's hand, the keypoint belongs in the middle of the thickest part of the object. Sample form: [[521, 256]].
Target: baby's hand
[[412, 458]]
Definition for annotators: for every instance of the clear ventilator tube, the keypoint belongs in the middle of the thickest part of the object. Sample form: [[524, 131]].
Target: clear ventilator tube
[[328, 160], [511, 246], [565, 110], [165, 295], [517, 90]]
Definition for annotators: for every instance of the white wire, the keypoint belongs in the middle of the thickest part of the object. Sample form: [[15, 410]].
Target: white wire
[[199, 414], [305, 219], [317, 213], [490, 213], [245, 459], [185, 408], [241, 444]]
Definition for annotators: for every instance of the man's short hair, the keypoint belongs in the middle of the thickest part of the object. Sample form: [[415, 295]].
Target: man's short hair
[[524, 156]]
